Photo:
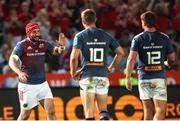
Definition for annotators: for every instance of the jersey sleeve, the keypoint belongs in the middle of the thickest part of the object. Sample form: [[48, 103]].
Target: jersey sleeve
[[77, 42], [169, 48], [50, 46], [18, 49], [113, 44], [134, 45]]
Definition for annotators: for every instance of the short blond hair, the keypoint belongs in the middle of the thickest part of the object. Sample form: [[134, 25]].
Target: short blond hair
[[88, 16]]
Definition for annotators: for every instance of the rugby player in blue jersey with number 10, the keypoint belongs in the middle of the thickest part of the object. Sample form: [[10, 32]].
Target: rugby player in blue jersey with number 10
[[152, 47], [33, 87], [93, 44]]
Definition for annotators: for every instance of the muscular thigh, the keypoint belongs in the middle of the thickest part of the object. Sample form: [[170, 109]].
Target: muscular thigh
[[48, 104], [87, 98], [102, 102], [160, 104]]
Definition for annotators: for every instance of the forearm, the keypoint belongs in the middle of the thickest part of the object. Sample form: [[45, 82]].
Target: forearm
[[129, 67], [73, 66], [115, 61], [170, 63], [171, 58], [14, 66]]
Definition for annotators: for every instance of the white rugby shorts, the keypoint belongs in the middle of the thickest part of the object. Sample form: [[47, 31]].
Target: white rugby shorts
[[98, 85], [152, 89], [30, 95]]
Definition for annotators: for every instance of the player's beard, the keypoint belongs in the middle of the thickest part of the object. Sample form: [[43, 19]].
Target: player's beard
[[34, 38]]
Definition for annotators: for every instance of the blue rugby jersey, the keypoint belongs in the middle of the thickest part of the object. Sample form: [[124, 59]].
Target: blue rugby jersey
[[32, 56], [152, 48], [95, 45]]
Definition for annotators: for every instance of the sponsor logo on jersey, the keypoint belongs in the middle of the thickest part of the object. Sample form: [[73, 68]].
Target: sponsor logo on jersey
[[41, 45], [25, 105], [35, 54], [152, 47], [29, 48], [153, 68], [96, 42]]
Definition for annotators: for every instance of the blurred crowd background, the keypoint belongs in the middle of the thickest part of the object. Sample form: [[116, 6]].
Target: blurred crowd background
[[120, 18]]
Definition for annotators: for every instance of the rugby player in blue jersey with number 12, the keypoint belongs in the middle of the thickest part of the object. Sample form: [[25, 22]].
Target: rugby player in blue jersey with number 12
[[33, 87], [93, 44], [152, 47]]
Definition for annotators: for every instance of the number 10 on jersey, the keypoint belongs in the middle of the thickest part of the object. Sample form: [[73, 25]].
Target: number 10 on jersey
[[96, 54]]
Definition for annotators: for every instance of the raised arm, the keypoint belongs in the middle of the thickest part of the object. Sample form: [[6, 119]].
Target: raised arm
[[61, 42]]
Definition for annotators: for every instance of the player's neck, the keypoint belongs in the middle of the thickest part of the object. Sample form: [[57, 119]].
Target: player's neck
[[153, 29], [90, 26]]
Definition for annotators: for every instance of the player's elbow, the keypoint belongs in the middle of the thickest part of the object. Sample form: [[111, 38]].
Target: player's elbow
[[73, 59], [171, 58], [131, 59], [10, 63], [10, 60], [120, 51]]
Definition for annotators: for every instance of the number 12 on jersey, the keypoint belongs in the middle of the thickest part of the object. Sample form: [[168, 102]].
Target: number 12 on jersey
[[154, 57], [96, 54]]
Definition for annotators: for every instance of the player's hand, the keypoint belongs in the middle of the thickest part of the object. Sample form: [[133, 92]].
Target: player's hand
[[167, 65], [128, 84], [110, 69], [23, 77], [62, 39], [76, 75]]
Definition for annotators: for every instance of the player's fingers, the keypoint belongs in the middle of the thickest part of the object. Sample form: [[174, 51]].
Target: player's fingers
[[77, 78], [20, 79], [26, 75], [129, 87], [61, 35], [24, 78]]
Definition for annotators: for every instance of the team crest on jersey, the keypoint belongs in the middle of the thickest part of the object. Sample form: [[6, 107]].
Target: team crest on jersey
[[29, 48], [41, 45], [25, 105], [95, 40], [152, 44]]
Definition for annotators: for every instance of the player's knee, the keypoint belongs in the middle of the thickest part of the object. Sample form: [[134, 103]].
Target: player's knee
[[161, 110], [24, 115], [104, 115], [51, 112]]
